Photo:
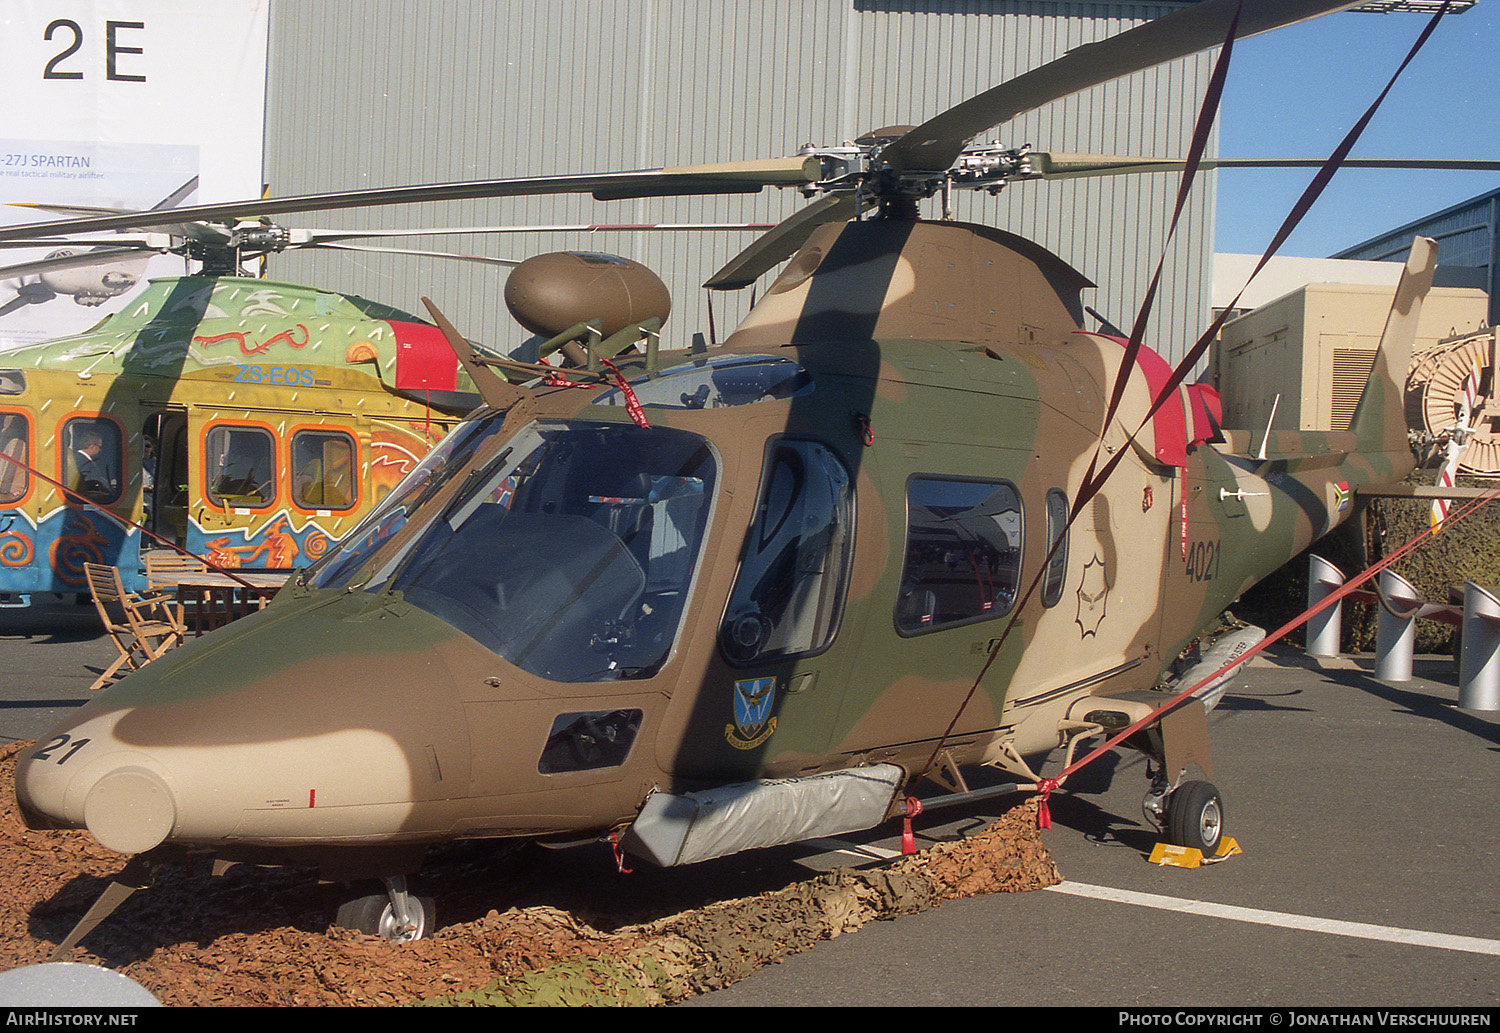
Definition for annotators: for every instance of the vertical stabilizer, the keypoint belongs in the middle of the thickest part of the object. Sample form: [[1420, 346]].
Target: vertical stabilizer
[[1379, 420]]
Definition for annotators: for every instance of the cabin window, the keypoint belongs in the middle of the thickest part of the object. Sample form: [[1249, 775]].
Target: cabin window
[[323, 470], [1057, 529], [789, 593], [15, 444], [963, 553], [241, 466], [93, 456]]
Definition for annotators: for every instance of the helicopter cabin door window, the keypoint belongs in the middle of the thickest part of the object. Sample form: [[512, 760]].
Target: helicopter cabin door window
[[963, 553], [15, 445], [241, 466], [789, 593], [92, 458], [323, 470]]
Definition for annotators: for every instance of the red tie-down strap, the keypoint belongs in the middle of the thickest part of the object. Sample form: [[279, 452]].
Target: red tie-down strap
[[614, 845], [632, 404], [1043, 814], [908, 837]]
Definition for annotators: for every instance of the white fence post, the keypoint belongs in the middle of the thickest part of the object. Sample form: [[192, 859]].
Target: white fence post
[[1323, 628], [1479, 658], [1395, 627]]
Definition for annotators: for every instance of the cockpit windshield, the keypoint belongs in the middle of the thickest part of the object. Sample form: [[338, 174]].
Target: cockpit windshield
[[569, 552]]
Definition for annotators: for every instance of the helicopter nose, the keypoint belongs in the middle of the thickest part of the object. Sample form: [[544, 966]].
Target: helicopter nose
[[129, 810], [120, 795]]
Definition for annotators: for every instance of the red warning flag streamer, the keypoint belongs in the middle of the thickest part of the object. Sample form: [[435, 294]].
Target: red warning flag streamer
[[632, 404], [1207, 113]]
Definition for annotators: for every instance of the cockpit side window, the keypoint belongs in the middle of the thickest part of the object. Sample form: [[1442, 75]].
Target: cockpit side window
[[789, 593], [963, 553]]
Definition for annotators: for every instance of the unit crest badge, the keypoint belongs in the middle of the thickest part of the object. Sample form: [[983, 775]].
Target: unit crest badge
[[753, 723]]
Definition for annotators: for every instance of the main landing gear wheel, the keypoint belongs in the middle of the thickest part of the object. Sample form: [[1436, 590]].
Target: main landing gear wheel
[[1195, 817], [376, 915]]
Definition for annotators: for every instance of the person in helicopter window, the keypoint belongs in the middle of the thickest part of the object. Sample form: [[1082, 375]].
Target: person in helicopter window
[[94, 478]]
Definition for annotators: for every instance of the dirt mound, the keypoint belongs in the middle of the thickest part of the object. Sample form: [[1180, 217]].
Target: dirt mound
[[260, 936]]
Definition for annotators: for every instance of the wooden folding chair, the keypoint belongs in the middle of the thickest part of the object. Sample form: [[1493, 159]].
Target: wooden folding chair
[[163, 568], [148, 629]]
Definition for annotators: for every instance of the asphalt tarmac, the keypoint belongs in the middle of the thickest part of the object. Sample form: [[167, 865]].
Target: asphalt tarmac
[[1368, 814]]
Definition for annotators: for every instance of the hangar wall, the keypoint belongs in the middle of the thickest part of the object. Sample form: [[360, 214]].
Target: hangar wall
[[1468, 236], [367, 93]]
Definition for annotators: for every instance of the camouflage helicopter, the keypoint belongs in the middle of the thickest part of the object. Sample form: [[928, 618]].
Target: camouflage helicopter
[[742, 598]]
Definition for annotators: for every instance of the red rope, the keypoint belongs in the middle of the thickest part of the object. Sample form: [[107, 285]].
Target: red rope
[[1292, 625]]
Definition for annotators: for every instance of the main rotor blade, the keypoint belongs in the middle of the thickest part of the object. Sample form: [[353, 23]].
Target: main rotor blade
[[302, 237], [734, 177], [781, 243], [413, 252], [39, 234], [934, 145], [1046, 165]]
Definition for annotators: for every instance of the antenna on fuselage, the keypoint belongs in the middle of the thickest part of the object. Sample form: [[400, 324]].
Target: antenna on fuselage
[[1267, 435]]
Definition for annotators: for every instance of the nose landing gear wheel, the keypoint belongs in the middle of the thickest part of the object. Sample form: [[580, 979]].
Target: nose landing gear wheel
[[1195, 817], [375, 914]]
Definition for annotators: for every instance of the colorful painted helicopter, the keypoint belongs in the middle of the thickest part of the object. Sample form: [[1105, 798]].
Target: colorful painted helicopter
[[244, 420], [744, 597]]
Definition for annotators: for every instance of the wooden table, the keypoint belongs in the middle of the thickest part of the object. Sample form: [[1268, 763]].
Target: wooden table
[[210, 600]]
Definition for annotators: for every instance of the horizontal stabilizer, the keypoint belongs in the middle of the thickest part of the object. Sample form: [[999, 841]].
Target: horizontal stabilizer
[[1421, 491]]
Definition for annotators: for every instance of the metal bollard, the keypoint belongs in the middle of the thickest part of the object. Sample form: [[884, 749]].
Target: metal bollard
[[1325, 627], [1479, 659], [1396, 627]]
